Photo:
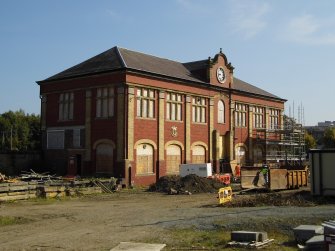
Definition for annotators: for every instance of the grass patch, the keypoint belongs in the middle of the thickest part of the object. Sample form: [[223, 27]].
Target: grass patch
[[195, 239], [218, 236], [9, 220]]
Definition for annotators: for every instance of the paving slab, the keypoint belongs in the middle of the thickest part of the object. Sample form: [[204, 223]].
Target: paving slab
[[136, 246]]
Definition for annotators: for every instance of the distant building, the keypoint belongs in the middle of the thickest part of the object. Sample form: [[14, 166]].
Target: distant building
[[326, 124], [138, 117], [318, 131]]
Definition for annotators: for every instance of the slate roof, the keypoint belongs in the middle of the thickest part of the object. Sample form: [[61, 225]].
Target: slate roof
[[117, 58]]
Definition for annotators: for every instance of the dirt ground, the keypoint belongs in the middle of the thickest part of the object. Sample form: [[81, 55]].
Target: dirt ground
[[101, 222]]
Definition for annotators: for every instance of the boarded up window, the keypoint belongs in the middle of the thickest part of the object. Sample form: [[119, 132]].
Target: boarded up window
[[198, 155], [144, 157], [55, 139], [173, 159], [104, 158]]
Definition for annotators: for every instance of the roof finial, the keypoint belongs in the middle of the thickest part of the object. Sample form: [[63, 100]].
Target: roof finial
[[220, 50]]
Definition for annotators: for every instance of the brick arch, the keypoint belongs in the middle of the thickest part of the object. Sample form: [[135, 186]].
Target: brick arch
[[174, 142], [145, 141], [199, 143], [104, 141], [196, 157]]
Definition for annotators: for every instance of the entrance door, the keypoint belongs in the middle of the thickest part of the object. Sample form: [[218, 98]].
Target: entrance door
[[104, 158]]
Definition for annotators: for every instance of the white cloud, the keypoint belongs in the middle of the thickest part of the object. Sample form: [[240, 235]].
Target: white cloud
[[248, 18], [307, 29]]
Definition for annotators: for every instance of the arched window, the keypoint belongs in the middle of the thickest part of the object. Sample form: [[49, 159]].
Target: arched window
[[221, 112], [173, 159], [198, 155], [144, 157], [104, 158]]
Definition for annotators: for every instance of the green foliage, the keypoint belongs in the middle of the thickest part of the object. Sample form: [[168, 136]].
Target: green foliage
[[19, 131], [310, 141], [9, 220], [329, 138]]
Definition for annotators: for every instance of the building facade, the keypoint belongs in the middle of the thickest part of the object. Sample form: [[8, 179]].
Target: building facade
[[138, 117]]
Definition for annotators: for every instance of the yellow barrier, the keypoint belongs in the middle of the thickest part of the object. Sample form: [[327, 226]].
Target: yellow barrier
[[225, 195]]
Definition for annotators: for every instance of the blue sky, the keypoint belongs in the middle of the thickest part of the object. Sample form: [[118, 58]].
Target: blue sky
[[285, 47]]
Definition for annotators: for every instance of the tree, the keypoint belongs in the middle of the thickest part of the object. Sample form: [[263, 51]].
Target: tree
[[329, 138], [310, 141], [19, 131]]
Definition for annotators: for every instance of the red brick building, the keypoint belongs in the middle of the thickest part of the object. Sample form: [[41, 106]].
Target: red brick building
[[127, 114]]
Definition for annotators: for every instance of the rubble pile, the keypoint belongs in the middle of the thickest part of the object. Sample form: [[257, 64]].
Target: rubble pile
[[189, 184]]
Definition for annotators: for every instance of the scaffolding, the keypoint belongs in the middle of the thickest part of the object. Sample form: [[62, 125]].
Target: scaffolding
[[284, 145]]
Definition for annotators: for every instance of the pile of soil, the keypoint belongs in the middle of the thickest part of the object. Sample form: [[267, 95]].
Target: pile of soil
[[188, 184], [285, 198]]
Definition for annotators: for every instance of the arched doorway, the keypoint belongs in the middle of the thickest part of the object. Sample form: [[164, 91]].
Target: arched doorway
[[144, 159], [258, 154], [104, 158], [240, 155], [198, 154], [173, 159]]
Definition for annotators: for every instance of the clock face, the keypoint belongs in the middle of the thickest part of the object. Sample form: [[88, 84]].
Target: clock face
[[220, 75]]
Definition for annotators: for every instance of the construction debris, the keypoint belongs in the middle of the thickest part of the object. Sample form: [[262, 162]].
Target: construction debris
[[2, 177], [40, 178], [248, 239]]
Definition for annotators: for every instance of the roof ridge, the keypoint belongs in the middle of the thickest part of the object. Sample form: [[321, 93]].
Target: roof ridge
[[147, 54], [120, 56]]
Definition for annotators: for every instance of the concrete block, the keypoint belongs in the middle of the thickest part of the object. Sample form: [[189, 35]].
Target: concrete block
[[329, 227], [4, 194], [16, 197], [4, 189], [248, 236], [133, 246], [18, 183], [17, 193], [316, 243], [18, 188], [32, 187], [303, 233]]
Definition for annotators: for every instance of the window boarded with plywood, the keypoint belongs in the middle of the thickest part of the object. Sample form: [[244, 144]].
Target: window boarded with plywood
[[173, 159], [198, 155], [144, 159]]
